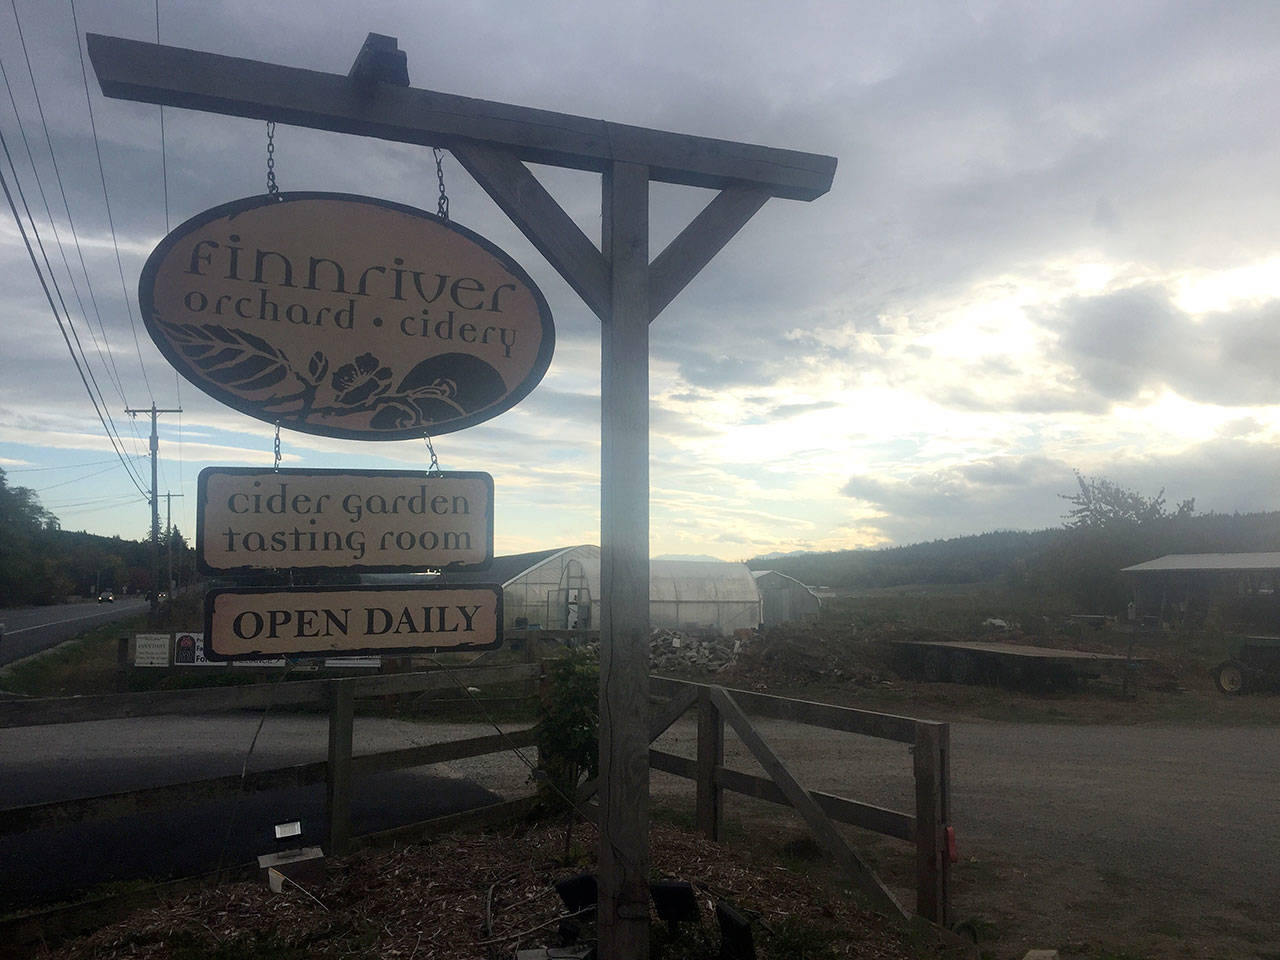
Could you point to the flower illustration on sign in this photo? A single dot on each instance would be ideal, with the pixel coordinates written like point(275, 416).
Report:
point(361, 381)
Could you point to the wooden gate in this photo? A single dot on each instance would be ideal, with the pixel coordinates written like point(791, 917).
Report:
point(927, 828)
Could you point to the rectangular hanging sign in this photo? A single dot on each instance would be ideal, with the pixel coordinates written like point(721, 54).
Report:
point(365, 520)
point(257, 622)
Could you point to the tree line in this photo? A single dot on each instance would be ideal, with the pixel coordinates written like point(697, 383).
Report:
point(41, 563)
point(1106, 528)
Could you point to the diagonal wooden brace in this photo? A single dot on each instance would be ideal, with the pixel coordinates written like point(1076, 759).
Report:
point(823, 829)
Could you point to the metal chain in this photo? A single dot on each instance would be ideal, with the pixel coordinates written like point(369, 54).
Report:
point(272, 187)
point(277, 466)
point(442, 204)
point(434, 468)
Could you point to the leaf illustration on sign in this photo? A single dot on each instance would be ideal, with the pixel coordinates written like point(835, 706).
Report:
point(233, 358)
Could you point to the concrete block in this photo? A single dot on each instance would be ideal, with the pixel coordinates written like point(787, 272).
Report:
point(1041, 955)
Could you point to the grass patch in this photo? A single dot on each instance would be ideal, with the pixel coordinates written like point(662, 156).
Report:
point(86, 665)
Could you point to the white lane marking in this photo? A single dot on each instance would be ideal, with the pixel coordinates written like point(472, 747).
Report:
point(54, 623)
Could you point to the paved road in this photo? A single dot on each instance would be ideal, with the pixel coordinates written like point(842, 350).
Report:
point(29, 630)
point(41, 764)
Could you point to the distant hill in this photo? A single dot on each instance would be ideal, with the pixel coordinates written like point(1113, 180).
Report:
point(971, 559)
point(1081, 565)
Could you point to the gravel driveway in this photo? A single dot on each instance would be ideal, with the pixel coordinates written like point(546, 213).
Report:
point(1160, 840)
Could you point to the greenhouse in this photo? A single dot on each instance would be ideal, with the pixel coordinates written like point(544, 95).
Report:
point(560, 590)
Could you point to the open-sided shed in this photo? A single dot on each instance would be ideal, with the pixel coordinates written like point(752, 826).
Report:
point(1183, 581)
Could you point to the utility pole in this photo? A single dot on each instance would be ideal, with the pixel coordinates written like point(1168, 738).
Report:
point(168, 534)
point(155, 502)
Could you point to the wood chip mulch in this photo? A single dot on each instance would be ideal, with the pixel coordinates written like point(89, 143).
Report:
point(474, 896)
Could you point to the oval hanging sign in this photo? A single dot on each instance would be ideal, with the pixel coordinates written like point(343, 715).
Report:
point(346, 316)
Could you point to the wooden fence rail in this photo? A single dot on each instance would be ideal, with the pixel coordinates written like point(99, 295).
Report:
point(338, 771)
point(930, 745)
point(926, 827)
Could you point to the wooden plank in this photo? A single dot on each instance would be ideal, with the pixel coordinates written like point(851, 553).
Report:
point(708, 801)
point(154, 73)
point(451, 678)
point(931, 854)
point(841, 809)
point(337, 794)
point(662, 716)
point(819, 824)
point(444, 752)
point(699, 242)
point(489, 815)
point(30, 713)
point(38, 712)
point(1022, 650)
point(624, 571)
point(540, 219)
point(109, 806)
point(886, 726)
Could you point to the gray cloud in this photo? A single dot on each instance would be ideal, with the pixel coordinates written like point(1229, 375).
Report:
point(968, 498)
point(1123, 343)
point(1024, 492)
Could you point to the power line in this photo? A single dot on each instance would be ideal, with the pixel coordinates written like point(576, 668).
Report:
point(102, 175)
point(63, 483)
point(108, 423)
point(13, 207)
point(112, 500)
point(22, 130)
point(67, 466)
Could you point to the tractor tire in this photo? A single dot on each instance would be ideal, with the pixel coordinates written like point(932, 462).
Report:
point(1229, 677)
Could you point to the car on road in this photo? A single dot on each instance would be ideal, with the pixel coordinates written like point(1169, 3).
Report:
point(106, 596)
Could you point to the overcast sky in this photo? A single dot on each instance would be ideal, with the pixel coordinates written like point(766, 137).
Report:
point(1051, 244)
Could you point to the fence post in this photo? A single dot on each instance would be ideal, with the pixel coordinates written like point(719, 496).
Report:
point(710, 797)
point(338, 771)
point(933, 865)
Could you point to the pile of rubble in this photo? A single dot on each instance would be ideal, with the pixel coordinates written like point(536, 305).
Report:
point(683, 653)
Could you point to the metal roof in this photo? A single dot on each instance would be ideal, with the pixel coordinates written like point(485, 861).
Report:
point(505, 569)
point(701, 581)
point(1208, 562)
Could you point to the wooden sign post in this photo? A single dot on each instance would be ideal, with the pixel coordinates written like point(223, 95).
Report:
point(617, 281)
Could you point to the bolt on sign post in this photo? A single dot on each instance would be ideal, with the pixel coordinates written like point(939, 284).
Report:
point(617, 280)
point(361, 520)
point(346, 316)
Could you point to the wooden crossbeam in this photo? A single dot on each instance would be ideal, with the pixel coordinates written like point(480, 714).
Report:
point(543, 221)
point(821, 826)
point(699, 242)
point(175, 76)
